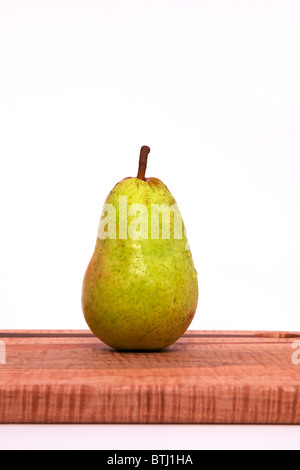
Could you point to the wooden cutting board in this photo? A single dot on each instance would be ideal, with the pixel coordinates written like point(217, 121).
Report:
point(206, 377)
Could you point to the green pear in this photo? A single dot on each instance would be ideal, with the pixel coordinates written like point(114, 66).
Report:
point(140, 289)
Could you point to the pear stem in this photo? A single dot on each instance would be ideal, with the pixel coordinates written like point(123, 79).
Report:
point(143, 162)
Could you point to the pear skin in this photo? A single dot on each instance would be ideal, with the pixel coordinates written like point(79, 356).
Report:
point(140, 290)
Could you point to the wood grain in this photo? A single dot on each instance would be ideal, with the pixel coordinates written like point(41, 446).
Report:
point(70, 376)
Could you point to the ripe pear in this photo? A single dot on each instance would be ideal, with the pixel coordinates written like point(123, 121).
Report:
point(140, 289)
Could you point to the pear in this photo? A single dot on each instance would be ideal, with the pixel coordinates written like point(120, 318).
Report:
point(140, 289)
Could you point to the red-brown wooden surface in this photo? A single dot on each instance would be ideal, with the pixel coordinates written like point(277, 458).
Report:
point(59, 376)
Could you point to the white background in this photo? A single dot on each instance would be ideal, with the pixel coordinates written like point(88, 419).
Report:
point(213, 87)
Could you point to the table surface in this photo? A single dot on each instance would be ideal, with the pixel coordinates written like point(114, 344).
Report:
point(206, 377)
